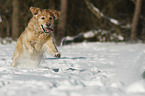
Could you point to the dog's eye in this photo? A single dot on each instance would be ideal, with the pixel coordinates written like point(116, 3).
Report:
point(50, 18)
point(42, 18)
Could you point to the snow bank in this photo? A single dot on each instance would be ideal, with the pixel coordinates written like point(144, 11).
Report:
point(85, 69)
point(137, 87)
point(94, 35)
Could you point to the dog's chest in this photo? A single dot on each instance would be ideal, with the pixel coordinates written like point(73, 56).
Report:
point(37, 40)
point(41, 37)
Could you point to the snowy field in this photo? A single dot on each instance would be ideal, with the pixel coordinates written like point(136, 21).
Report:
point(85, 69)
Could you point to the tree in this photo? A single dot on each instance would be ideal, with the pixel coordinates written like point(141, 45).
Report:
point(52, 4)
point(135, 20)
point(62, 21)
point(15, 19)
point(7, 26)
point(1, 27)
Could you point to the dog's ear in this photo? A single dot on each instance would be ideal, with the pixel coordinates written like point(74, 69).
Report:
point(56, 14)
point(34, 10)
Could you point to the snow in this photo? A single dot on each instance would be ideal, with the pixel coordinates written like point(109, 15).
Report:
point(1, 19)
point(120, 37)
point(137, 87)
point(89, 34)
point(114, 21)
point(69, 38)
point(127, 26)
point(97, 10)
point(85, 69)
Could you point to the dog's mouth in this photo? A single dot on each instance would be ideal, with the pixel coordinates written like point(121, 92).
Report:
point(47, 29)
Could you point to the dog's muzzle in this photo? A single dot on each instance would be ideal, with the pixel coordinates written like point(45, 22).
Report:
point(46, 29)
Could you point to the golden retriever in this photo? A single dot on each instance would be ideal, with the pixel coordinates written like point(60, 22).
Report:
point(36, 39)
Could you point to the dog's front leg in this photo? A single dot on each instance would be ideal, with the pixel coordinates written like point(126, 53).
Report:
point(51, 48)
point(29, 47)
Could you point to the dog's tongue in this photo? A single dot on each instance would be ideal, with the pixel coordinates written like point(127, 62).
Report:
point(48, 29)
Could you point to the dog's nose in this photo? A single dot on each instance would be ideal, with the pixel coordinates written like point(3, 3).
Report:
point(48, 24)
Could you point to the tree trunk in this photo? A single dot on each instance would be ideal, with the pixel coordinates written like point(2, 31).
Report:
point(62, 22)
point(7, 26)
point(1, 27)
point(52, 4)
point(15, 19)
point(135, 20)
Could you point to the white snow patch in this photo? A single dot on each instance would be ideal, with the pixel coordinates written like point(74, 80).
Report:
point(89, 34)
point(97, 10)
point(120, 37)
point(127, 26)
point(114, 21)
point(85, 69)
point(69, 38)
point(137, 87)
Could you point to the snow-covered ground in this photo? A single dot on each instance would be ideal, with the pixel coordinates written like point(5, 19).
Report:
point(85, 69)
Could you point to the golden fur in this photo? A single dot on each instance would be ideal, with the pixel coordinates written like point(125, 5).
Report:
point(36, 38)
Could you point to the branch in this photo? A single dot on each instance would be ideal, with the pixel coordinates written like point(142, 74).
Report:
point(94, 10)
point(99, 14)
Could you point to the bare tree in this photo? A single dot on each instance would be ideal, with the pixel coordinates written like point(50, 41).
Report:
point(62, 21)
point(135, 20)
point(15, 19)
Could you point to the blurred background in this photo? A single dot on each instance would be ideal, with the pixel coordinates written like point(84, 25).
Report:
point(90, 20)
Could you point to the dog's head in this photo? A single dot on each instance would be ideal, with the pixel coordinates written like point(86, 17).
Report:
point(45, 18)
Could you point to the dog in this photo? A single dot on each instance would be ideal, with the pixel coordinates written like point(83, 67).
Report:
point(36, 39)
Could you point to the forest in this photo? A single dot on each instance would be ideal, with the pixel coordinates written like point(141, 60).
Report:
point(115, 20)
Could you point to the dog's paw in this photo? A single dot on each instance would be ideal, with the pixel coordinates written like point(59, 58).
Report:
point(58, 55)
